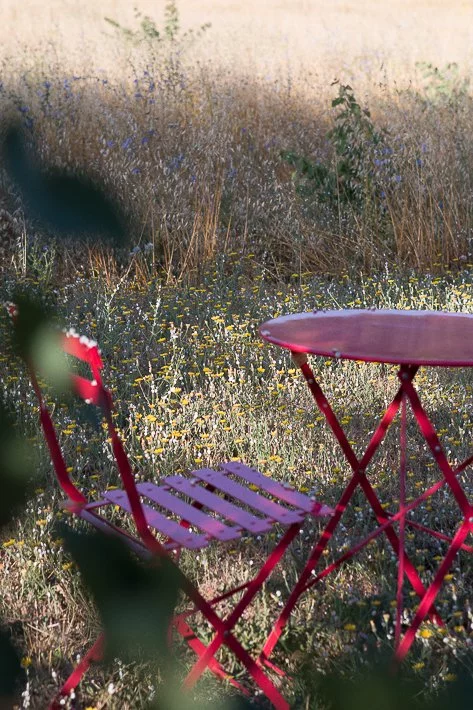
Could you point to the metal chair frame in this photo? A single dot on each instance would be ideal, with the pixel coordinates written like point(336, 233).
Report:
point(240, 500)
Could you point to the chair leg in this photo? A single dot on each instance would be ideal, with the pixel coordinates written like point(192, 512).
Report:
point(254, 670)
point(224, 635)
point(93, 655)
point(96, 651)
point(199, 648)
point(259, 676)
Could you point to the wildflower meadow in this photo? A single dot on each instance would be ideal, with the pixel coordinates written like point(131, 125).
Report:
point(250, 181)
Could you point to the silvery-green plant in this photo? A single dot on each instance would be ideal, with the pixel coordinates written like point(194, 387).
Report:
point(445, 85)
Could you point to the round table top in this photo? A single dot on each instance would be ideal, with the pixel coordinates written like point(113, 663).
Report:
point(377, 335)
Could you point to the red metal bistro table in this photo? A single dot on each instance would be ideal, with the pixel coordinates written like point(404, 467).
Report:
point(409, 339)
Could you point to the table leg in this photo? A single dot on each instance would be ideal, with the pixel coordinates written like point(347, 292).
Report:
point(450, 477)
point(430, 435)
point(402, 522)
point(358, 467)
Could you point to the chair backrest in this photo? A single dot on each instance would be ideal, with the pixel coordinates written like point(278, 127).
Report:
point(92, 391)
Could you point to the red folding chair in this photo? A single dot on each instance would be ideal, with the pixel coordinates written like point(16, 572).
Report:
point(220, 504)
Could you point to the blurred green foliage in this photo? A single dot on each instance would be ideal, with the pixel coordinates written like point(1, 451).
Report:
point(16, 466)
point(135, 601)
point(16, 479)
point(382, 687)
point(67, 205)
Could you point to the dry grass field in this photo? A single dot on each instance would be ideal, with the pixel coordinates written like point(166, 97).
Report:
point(322, 35)
point(248, 194)
point(215, 112)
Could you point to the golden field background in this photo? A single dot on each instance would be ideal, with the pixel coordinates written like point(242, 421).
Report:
point(323, 35)
point(190, 135)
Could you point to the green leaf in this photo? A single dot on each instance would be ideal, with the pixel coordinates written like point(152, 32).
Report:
point(11, 672)
point(135, 601)
point(16, 467)
point(68, 205)
point(33, 317)
point(376, 688)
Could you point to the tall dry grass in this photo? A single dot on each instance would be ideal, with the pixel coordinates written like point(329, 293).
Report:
point(190, 142)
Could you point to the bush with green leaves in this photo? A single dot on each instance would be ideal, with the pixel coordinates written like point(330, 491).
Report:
point(350, 176)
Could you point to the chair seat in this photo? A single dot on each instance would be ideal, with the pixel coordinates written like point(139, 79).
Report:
point(223, 504)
